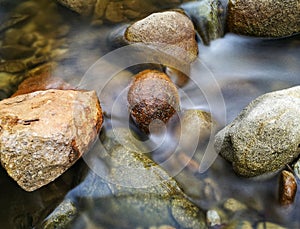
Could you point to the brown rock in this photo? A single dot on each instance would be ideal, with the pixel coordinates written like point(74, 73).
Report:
point(43, 133)
point(287, 188)
point(171, 31)
point(272, 18)
point(43, 81)
point(152, 95)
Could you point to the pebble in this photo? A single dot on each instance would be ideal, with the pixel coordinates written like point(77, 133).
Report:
point(234, 205)
point(10, 52)
point(265, 136)
point(287, 188)
point(213, 218)
point(152, 96)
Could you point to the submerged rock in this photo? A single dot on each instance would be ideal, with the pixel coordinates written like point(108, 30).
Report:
point(131, 191)
point(152, 96)
point(208, 17)
point(265, 136)
point(273, 18)
point(43, 133)
point(287, 188)
point(171, 31)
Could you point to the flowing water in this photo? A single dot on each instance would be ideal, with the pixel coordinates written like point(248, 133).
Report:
point(238, 68)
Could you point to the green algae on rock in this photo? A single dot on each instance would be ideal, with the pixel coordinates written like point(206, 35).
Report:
point(265, 136)
point(264, 18)
point(132, 191)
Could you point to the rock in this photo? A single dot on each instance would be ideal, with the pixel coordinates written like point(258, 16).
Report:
point(12, 66)
point(297, 169)
point(195, 128)
point(28, 39)
point(273, 18)
point(208, 17)
point(171, 31)
point(41, 82)
point(287, 188)
point(8, 84)
point(83, 7)
point(213, 218)
point(240, 224)
point(269, 225)
point(152, 96)
point(234, 205)
point(43, 133)
point(131, 190)
point(265, 136)
point(9, 52)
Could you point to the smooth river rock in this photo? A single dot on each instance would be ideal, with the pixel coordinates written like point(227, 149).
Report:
point(43, 133)
point(265, 136)
point(129, 190)
point(171, 31)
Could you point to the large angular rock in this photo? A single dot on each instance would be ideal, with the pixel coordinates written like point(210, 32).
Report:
point(43, 133)
point(265, 136)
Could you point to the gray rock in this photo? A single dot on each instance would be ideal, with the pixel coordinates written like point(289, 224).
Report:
point(129, 189)
point(265, 136)
point(43, 133)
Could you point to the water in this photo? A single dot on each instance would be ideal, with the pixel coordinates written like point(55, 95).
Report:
point(241, 68)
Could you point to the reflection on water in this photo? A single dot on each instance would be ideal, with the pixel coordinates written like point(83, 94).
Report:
point(243, 67)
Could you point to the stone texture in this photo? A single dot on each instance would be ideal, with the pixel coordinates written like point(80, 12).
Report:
point(171, 31)
point(264, 18)
point(43, 133)
point(83, 7)
point(128, 189)
point(265, 136)
point(152, 96)
point(287, 188)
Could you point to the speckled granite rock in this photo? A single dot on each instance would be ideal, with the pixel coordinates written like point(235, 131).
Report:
point(43, 133)
point(272, 18)
point(171, 31)
point(265, 136)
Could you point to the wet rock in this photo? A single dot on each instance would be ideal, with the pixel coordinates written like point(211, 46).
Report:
point(195, 128)
point(171, 31)
point(297, 169)
point(262, 18)
point(130, 189)
point(12, 66)
point(41, 82)
point(152, 96)
point(45, 132)
point(268, 225)
point(234, 205)
point(28, 39)
point(61, 215)
point(240, 225)
point(287, 188)
point(213, 218)
point(265, 135)
point(83, 7)
point(12, 21)
point(208, 17)
point(10, 52)
point(8, 84)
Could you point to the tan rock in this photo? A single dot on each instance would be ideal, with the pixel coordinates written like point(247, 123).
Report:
point(83, 7)
point(43, 133)
point(171, 31)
